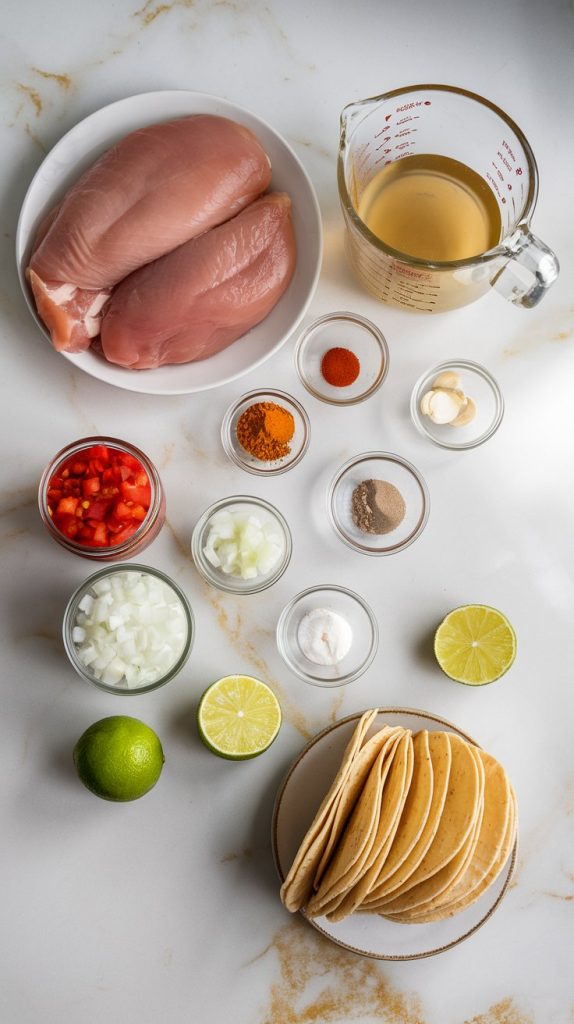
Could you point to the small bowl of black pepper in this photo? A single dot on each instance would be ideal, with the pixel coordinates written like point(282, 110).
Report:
point(266, 432)
point(378, 503)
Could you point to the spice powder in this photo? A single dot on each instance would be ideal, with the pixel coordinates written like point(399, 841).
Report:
point(265, 430)
point(340, 367)
point(378, 507)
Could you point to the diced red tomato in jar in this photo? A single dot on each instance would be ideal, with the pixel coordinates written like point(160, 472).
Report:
point(99, 497)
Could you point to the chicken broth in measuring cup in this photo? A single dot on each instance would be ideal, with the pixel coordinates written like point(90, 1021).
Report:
point(432, 207)
point(437, 188)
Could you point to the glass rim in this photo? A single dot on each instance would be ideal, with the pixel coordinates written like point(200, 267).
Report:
point(116, 549)
point(500, 249)
point(76, 597)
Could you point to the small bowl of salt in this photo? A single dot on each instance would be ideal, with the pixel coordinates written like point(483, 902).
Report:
point(327, 635)
point(128, 630)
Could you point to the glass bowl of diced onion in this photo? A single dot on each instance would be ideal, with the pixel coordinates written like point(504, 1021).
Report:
point(128, 629)
point(241, 545)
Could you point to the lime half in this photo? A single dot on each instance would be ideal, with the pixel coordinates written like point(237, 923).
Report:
point(475, 644)
point(119, 758)
point(238, 717)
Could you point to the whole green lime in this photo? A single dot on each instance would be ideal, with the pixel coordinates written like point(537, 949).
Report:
point(119, 758)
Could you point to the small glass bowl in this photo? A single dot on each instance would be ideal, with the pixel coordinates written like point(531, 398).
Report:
point(478, 384)
point(225, 581)
point(72, 610)
point(148, 529)
point(396, 471)
point(361, 620)
point(241, 457)
point(342, 330)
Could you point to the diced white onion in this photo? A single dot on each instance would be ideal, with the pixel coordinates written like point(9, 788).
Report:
point(244, 544)
point(130, 630)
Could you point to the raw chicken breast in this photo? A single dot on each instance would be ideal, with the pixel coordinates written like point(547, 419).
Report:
point(201, 297)
point(157, 188)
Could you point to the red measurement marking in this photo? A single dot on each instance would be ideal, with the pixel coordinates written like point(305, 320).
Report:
point(411, 106)
point(388, 117)
point(380, 132)
point(387, 150)
point(509, 187)
point(518, 170)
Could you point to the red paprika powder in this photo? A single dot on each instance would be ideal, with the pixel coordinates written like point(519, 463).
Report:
point(340, 367)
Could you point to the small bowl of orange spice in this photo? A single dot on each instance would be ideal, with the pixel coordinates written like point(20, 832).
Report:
point(266, 432)
point(342, 358)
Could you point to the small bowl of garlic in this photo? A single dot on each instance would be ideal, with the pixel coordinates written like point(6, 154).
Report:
point(457, 405)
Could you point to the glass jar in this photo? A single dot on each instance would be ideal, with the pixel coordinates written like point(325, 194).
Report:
point(129, 540)
point(100, 584)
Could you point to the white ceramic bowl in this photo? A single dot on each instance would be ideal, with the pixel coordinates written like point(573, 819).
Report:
point(86, 141)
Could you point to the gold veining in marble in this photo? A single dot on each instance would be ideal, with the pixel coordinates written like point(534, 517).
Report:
point(17, 499)
point(184, 549)
point(152, 10)
point(79, 405)
point(33, 96)
point(12, 535)
point(566, 897)
point(351, 987)
point(308, 144)
point(167, 453)
point(64, 81)
point(236, 856)
point(503, 1012)
point(230, 621)
point(35, 138)
point(320, 983)
point(557, 327)
point(336, 707)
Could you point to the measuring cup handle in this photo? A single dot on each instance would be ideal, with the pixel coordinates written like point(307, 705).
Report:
point(528, 269)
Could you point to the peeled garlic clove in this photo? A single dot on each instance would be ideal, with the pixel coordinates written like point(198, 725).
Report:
point(447, 379)
point(466, 414)
point(425, 403)
point(445, 406)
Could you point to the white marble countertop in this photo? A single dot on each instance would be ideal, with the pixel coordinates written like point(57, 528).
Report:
point(167, 909)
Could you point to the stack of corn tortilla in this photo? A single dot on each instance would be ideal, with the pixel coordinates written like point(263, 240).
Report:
point(414, 828)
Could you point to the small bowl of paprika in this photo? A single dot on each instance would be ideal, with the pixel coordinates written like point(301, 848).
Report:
point(342, 358)
point(266, 432)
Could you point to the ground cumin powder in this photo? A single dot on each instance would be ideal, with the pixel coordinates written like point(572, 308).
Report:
point(377, 506)
point(264, 430)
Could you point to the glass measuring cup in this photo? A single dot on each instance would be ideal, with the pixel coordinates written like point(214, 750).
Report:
point(454, 123)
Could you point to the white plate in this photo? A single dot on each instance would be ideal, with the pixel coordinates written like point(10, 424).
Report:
point(81, 146)
point(297, 801)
